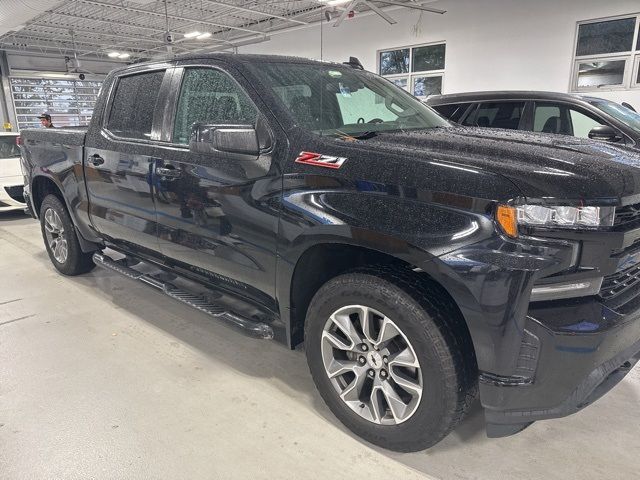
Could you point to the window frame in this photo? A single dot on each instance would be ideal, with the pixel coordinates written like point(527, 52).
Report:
point(167, 69)
point(635, 75)
point(410, 75)
point(630, 57)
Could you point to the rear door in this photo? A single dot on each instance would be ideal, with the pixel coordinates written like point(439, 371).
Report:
point(218, 212)
point(119, 161)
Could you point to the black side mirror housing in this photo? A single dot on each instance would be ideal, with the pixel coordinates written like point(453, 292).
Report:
point(237, 140)
point(605, 133)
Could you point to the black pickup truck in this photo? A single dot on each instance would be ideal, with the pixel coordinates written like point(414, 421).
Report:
point(418, 261)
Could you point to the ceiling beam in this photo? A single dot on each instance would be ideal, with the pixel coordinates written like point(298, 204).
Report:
point(257, 12)
point(110, 22)
point(89, 32)
point(415, 6)
point(174, 17)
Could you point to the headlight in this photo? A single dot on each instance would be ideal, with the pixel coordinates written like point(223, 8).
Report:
point(510, 217)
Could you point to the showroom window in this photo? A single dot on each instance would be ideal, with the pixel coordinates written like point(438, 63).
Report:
point(70, 102)
point(133, 104)
point(607, 54)
point(419, 69)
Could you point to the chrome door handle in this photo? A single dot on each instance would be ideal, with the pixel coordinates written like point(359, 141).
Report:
point(168, 172)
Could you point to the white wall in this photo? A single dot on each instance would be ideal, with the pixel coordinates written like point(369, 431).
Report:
point(491, 44)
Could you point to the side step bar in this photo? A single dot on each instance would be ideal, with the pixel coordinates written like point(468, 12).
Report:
point(256, 329)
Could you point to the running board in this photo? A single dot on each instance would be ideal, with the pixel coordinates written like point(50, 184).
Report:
point(254, 328)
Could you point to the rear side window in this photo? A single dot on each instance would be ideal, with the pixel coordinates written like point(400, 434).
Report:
point(211, 97)
point(134, 102)
point(453, 111)
point(497, 115)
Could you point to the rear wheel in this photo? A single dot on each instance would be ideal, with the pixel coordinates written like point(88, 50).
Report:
point(61, 240)
point(386, 361)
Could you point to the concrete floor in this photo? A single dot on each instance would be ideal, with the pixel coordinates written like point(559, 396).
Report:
point(102, 378)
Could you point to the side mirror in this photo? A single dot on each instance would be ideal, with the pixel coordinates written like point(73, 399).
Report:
point(235, 139)
point(605, 133)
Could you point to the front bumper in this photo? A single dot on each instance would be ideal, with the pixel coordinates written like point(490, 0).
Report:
point(572, 353)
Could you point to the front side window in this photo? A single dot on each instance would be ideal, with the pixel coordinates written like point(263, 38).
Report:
point(605, 54)
point(564, 120)
point(621, 113)
point(497, 115)
point(133, 105)
point(341, 101)
point(211, 97)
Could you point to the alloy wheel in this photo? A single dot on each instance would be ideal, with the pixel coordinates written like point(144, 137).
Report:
point(372, 365)
point(55, 233)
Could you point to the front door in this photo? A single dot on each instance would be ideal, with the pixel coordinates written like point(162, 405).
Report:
point(119, 164)
point(217, 212)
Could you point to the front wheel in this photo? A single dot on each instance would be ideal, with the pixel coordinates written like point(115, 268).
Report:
point(61, 240)
point(386, 362)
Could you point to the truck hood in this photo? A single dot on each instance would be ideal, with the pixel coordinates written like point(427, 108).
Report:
point(540, 165)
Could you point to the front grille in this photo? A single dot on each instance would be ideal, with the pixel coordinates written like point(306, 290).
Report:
point(16, 192)
point(622, 286)
point(627, 216)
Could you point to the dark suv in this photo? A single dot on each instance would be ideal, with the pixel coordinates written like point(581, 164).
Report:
point(546, 112)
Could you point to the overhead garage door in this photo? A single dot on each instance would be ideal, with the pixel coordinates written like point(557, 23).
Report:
point(70, 102)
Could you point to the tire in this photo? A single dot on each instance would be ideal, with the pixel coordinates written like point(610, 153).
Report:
point(61, 240)
point(430, 329)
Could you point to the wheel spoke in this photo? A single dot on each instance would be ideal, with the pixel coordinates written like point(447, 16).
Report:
point(365, 321)
point(397, 406)
point(352, 392)
point(388, 331)
point(340, 367)
point(376, 408)
point(343, 322)
point(404, 358)
point(410, 385)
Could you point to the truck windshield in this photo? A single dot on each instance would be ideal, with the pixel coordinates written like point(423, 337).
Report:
point(341, 101)
point(8, 147)
point(621, 113)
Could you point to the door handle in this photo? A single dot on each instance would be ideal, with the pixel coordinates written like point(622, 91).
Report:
point(96, 159)
point(169, 172)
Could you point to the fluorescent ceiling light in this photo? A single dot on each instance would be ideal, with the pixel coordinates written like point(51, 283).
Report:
point(114, 54)
point(124, 55)
point(333, 3)
point(203, 36)
point(192, 34)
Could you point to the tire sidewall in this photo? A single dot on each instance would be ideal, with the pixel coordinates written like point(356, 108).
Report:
point(427, 424)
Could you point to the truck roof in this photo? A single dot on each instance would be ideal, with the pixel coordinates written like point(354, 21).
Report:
point(507, 95)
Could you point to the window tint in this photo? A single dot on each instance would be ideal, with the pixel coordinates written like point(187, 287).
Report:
point(133, 104)
point(452, 111)
point(8, 147)
point(395, 61)
point(561, 119)
point(582, 123)
point(601, 73)
point(430, 57)
point(211, 97)
point(606, 37)
point(497, 115)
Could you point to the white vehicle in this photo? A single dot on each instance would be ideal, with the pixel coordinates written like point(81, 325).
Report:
point(11, 180)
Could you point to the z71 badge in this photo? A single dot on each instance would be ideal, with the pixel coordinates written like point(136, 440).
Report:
point(319, 160)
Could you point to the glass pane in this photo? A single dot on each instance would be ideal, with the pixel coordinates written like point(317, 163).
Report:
point(133, 105)
point(606, 37)
point(550, 118)
point(582, 124)
point(395, 61)
point(499, 115)
point(598, 74)
point(8, 147)
point(428, 58)
point(426, 86)
point(211, 97)
point(402, 83)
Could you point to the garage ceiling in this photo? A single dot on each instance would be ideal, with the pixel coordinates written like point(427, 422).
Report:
point(139, 27)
